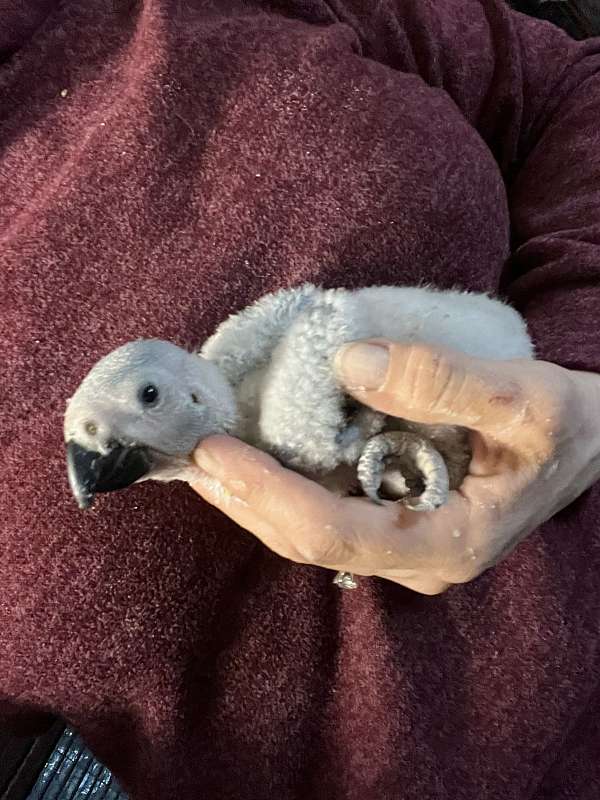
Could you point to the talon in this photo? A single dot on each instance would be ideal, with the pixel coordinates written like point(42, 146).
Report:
point(423, 454)
point(415, 504)
point(375, 498)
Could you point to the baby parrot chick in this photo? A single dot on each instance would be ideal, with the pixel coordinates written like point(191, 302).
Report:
point(266, 376)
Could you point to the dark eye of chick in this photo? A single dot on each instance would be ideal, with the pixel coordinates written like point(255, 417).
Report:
point(149, 394)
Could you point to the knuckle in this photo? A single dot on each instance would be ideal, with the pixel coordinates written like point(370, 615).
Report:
point(551, 422)
point(547, 412)
point(541, 433)
point(312, 547)
point(464, 566)
point(319, 539)
point(509, 402)
point(434, 587)
point(434, 382)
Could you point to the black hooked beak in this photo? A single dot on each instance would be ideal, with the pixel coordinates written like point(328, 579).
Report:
point(91, 472)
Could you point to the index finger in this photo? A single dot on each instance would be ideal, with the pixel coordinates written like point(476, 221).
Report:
point(303, 521)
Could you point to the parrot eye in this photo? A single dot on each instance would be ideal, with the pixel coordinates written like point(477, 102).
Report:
point(149, 394)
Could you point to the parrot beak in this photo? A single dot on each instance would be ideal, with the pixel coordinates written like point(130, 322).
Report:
point(91, 472)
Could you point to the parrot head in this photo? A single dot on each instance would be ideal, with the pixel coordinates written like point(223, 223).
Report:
point(139, 413)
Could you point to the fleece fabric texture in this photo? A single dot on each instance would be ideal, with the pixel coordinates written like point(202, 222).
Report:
point(164, 163)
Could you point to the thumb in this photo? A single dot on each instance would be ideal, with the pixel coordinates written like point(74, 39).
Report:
point(431, 385)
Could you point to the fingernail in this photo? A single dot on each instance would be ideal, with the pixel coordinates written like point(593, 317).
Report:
point(362, 366)
point(207, 461)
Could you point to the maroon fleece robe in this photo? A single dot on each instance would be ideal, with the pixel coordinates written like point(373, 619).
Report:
point(162, 164)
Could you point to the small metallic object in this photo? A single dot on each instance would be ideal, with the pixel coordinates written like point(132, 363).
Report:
point(345, 580)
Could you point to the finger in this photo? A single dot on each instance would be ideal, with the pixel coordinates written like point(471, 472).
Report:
point(292, 515)
point(301, 520)
point(239, 512)
point(432, 385)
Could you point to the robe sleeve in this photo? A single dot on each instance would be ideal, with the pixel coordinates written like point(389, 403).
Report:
point(533, 94)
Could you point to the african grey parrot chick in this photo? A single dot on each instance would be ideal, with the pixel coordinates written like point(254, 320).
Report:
point(266, 376)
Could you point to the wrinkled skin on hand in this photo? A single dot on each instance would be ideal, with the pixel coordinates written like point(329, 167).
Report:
point(535, 437)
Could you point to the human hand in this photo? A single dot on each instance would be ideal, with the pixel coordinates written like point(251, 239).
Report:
point(535, 436)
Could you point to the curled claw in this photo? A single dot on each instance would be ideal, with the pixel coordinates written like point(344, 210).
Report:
point(414, 450)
